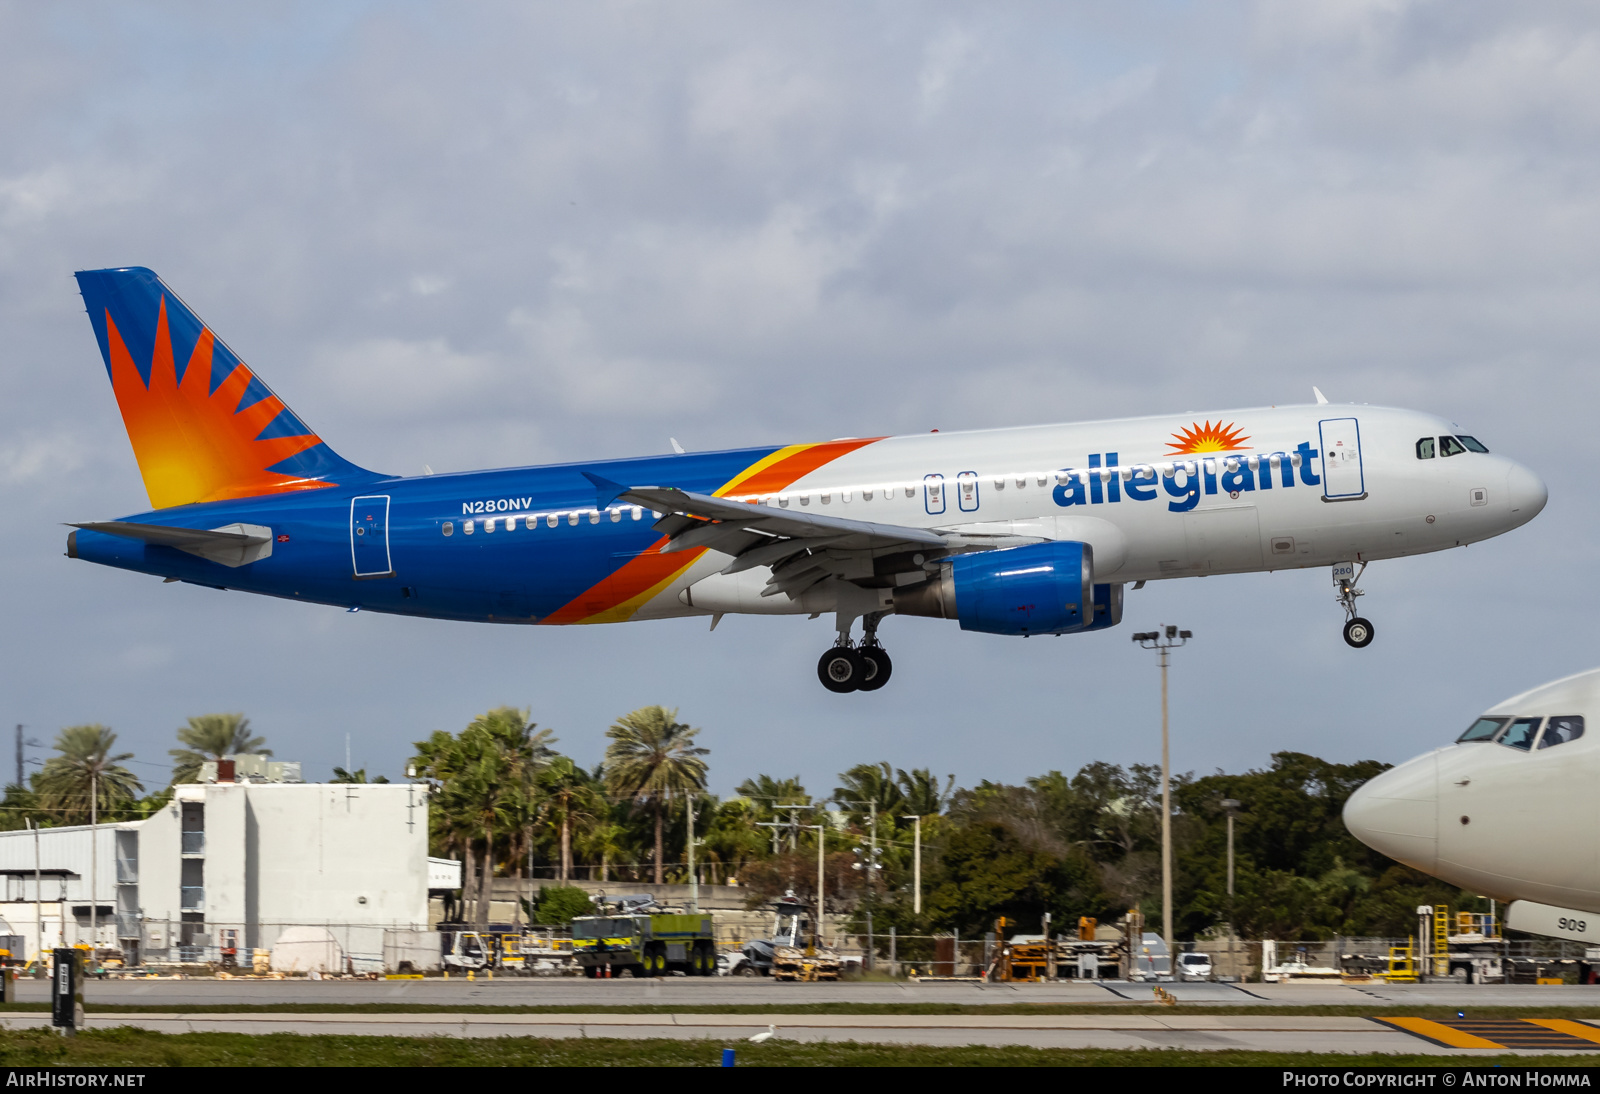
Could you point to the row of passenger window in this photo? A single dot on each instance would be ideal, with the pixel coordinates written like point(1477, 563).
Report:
point(1525, 733)
point(551, 520)
point(934, 484)
point(1448, 446)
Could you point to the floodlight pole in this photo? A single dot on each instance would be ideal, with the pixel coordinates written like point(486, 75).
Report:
point(1231, 807)
point(94, 862)
point(1164, 641)
point(694, 878)
point(822, 843)
point(916, 865)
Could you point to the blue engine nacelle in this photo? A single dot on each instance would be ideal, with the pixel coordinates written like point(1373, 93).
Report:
point(1044, 588)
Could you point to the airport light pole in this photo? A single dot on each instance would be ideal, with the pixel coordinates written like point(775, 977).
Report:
point(822, 843)
point(1164, 641)
point(1230, 806)
point(916, 864)
point(694, 878)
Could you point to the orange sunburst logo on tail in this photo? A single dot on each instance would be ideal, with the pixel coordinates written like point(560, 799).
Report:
point(1207, 438)
point(194, 444)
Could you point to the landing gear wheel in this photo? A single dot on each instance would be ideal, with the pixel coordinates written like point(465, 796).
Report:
point(841, 669)
point(1358, 632)
point(879, 667)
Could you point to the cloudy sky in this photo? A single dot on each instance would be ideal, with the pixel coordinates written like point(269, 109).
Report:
point(476, 235)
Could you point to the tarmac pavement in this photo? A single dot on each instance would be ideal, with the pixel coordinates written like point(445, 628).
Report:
point(694, 991)
point(1276, 1033)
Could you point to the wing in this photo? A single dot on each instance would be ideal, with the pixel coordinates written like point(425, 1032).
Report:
point(800, 548)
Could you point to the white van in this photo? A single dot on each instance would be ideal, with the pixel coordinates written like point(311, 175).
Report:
point(1194, 966)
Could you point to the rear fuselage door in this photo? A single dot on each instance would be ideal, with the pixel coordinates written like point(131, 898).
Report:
point(369, 536)
point(1342, 476)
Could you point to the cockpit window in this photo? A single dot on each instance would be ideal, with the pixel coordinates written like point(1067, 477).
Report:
point(1472, 443)
point(1449, 446)
point(1482, 730)
point(1425, 448)
point(1561, 729)
point(1520, 733)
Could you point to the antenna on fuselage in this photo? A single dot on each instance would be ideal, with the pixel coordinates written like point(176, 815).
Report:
point(1322, 400)
point(676, 447)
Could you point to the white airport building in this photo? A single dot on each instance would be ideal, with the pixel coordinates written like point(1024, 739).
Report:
point(226, 868)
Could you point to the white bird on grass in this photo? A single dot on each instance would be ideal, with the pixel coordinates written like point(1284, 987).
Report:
point(760, 1037)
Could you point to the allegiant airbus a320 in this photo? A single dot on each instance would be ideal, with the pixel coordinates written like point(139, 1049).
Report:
point(1024, 531)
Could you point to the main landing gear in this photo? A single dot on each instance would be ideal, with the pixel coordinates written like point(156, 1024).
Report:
point(849, 667)
point(1357, 631)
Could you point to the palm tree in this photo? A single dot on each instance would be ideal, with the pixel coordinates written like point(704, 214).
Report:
point(85, 779)
point(503, 752)
point(866, 783)
point(766, 792)
point(922, 796)
point(211, 737)
point(572, 798)
point(652, 756)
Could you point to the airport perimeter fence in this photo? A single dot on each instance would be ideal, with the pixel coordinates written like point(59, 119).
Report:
point(361, 949)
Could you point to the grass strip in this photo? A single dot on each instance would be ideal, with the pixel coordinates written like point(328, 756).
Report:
point(103, 1009)
point(138, 1048)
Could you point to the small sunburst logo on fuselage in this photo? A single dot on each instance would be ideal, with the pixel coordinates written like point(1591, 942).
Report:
point(1208, 438)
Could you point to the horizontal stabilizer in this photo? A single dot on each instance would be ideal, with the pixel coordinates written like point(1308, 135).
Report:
point(230, 545)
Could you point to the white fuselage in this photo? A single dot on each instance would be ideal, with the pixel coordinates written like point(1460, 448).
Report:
point(1511, 815)
point(1280, 488)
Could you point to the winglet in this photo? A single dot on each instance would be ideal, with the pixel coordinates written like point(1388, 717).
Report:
point(608, 491)
point(1322, 400)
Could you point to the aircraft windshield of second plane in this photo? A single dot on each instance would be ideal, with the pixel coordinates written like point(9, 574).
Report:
point(1523, 733)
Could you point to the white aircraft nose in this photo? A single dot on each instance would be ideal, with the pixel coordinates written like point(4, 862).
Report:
point(1526, 492)
point(1396, 814)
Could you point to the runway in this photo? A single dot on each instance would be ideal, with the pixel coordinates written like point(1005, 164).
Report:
point(737, 991)
point(1115, 1025)
point(1275, 1033)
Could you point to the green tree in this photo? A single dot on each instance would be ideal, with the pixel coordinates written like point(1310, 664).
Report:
point(211, 737)
point(559, 904)
point(764, 792)
point(920, 792)
point(86, 781)
point(482, 783)
point(652, 756)
point(868, 783)
point(572, 800)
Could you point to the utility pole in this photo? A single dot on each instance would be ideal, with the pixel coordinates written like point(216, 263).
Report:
point(870, 868)
point(822, 843)
point(38, 897)
point(1164, 641)
point(694, 879)
point(94, 862)
point(19, 756)
point(1231, 807)
point(916, 865)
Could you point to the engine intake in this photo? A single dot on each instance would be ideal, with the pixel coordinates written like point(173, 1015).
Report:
point(1044, 588)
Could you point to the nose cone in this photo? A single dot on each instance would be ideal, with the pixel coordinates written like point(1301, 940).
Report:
point(1526, 492)
point(1396, 814)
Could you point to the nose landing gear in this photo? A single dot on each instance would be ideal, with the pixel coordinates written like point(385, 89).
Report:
point(1358, 632)
point(849, 667)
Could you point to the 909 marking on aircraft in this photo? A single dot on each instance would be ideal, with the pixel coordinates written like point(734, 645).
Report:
point(1020, 531)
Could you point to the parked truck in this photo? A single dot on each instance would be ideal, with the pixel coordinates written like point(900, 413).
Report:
point(787, 954)
point(638, 937)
